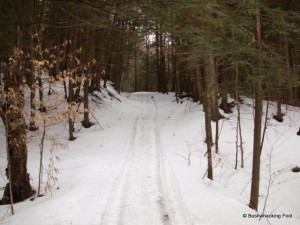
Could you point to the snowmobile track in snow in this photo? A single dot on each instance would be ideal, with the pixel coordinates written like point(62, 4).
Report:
point(145, 192)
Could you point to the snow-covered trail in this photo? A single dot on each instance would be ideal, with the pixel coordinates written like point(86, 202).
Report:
point(145, 190)
point(145, 163)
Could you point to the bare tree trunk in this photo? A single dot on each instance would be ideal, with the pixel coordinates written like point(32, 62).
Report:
point(41, 157)
point(162, 63)
point(135, 70)
point(64, 69)
point(177, 85)
point(13, 118)
point(39, 41)
point(239, 138)
point(158, 70)
point(5, 121)
point(94, 77)
point(224, 103)
point(217, 136)
point(291, 99)
point(70, 102)
point(224, 90)
point(90, 78)
point(279, 115)
point(207, 112)
point(199, 83)
point(41, 90)
point(86, 120)
point(65, 84)
point(78, 84)
point(31, 74)
point(257, 144)
point(210, 66)
point(147, 62)
point(97, 74)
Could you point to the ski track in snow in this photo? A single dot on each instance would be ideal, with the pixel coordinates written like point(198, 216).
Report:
point(145, 191)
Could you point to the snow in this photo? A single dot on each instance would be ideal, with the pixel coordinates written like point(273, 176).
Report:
point(143, 163)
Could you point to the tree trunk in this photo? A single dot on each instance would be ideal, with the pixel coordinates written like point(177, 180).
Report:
point(212, 87)
point(279, 115)
point(97, 74)
point(86, 121)
point(207, 112)
point(89, 76)
point(78, 84)
point(291, 99)
point(135, 70)
point(158, 70)
point(162, 64)
point(256, 148)
point(257, 144)
point(65, 84)
point(147, 62)
point(239, 138)
point(70, 102)
point(13, 118)
point(217, 136)
point(31, 83)
point(41, 90)
point(40, 56)
point(224, 90)
point(90, 61)
point(177, 85)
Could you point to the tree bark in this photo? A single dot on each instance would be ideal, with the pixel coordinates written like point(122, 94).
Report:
point(78, 84)
point(207, 104)
point(70, 102)
point(39, 42)
point(31, 83)
point(13, 118)
point(162, 63)
point(257, 143)
point(147, 61)
point(224, 90)
point(135, 70)
point(86, 120)
point(199, 80)
point(158, 70)
point(239, 138)
point(212, 85)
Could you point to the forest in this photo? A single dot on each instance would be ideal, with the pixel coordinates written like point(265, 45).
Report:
point(212, 52)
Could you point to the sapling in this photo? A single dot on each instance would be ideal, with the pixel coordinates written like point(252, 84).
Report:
point(239, 138)
point(41, 157)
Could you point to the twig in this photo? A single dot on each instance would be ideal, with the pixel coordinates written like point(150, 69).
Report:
point(96, 120)
point(112, 95)
point(269, 183)
point(205, 174)
point(265, 127)
point(186, 158)
point(41, 157)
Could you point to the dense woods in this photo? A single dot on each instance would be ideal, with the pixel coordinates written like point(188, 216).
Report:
point(205, 50)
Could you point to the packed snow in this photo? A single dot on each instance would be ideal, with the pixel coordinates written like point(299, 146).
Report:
point(144, 163)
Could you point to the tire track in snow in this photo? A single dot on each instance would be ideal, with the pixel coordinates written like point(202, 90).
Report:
point(172, 202)
point(141, 195)
point(110, 196)
point(145, 192)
